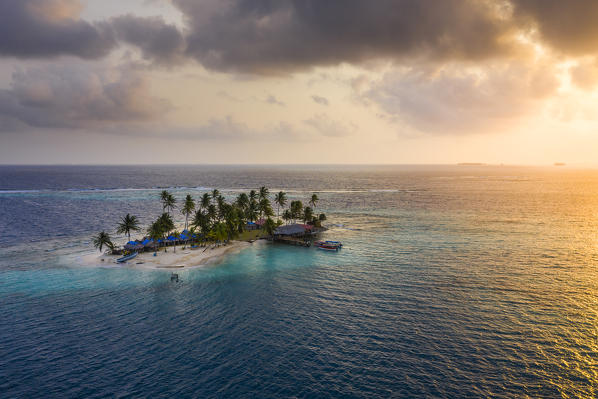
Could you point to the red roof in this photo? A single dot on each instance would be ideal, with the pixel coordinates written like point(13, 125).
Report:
point(307, 226)
point(260, 222)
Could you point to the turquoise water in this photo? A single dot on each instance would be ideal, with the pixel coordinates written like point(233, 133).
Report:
point(453, 282)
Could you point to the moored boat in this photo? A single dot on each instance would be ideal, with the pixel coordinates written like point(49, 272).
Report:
point(126, 257)
point(328, 245)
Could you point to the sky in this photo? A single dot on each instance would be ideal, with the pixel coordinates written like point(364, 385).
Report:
point(298, 81)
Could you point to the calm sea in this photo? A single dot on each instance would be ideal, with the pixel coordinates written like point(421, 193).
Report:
point(453, 282)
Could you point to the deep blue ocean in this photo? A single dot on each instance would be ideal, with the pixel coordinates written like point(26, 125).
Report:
point(454, 281)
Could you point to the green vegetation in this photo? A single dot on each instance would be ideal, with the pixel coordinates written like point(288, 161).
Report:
point(102, 240)
point(280, 199)
point(213, 219)
point(188, 209)
point(168, 201)
point(127, 225)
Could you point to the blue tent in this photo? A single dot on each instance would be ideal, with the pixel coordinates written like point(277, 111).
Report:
point(146, 241)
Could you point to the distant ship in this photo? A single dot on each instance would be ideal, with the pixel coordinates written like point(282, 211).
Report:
point(471, 164)
point(559, 164)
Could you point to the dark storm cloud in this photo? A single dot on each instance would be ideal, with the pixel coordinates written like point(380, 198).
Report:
point(273, 36)
point(158, 41)
point(568, 25)
point(281, 36)
point(47, 28)
point(75, 97)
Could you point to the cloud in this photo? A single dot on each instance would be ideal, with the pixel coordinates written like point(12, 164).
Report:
point(323, 125)
point(585, 74)
point(48, 28)
point(456, 100)
point(274, 101)
point(279, 36)
point(76, 97)
point(320, 100)
point(158, 41)
point(569, 26)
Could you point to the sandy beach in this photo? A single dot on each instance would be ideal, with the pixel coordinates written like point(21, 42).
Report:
point(181, 259)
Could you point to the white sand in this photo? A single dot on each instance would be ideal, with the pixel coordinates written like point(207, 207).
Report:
point(182, 258)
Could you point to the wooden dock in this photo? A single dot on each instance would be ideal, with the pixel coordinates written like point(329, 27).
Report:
point(293, 241)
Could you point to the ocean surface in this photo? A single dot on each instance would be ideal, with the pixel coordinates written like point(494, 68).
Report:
point(455, 281)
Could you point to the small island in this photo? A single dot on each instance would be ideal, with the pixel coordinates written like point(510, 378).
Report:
point(211, 228)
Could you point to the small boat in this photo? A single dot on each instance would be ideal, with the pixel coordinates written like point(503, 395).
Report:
point(328, 248)
point(126, 257)
point(174, 277)
point(328, 245)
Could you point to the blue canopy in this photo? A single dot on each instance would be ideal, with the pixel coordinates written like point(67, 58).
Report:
point(183, 237)
point(146, 241)
point(171, 238)
point(132, 243)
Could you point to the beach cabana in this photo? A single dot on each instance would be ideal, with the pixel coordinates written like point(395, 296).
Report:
point(292, 230)
point(130, 246)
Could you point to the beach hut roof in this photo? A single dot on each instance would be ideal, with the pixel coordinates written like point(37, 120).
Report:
point(291, 229)
point(260, 222)
point(131, 245)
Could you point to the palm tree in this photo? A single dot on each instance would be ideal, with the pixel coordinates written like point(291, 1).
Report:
point(221, 203)
point(252, 195)
point(219, 232)
point(155, 232)
point(314, 200)
point(166, 224)
point(215, 194)
point(242, 201)
point(205, 201)
point(308, 214)
point(264, 207)
point(101, 240)
point(281, 200)
point(176, 236)
point(202, 221)
point(127, 224)
point(296, 209)
point(322, 217)
point(188, 209)
point(264, 193)
point(269, 226)
point(212, 212)
point(164, 199)
point(287, 216)
point(166, 221)
point(170, 202)
point(251, 213)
